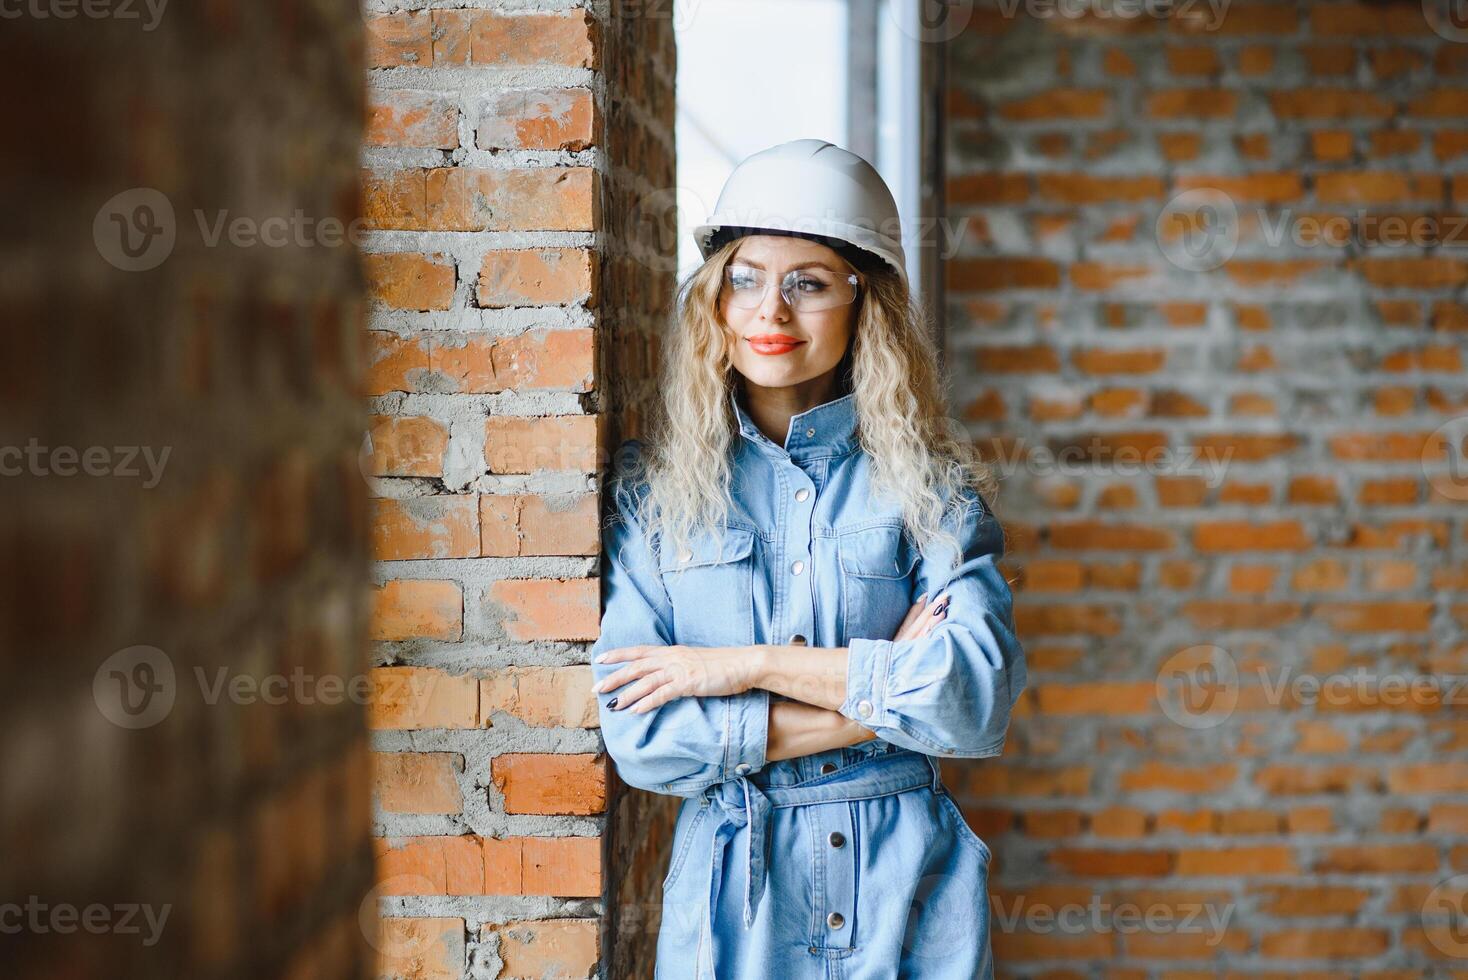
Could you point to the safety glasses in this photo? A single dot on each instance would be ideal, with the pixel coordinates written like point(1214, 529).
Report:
point(804, 290)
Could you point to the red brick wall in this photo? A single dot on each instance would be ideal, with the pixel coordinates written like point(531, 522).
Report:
point(507, 151)
point(185, 773)
point(1327, 549)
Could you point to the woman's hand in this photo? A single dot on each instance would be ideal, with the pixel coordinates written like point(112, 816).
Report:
point(922, 618)
point(667, 672)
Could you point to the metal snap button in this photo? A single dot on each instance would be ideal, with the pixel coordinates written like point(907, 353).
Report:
point(796, 639)
point(802, 493)
point(827, 768)
point(837, 838)
point(742, 768)
point(810, 432)
point(835, 920)
point(864, 708)
point(798, 567)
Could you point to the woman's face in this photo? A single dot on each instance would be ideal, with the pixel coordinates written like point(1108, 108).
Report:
point(813, 342)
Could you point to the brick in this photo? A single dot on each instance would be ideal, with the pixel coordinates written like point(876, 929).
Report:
point(429, 865)
point(415, 698)
point(548, 783)
point(396, 363)
point(425, 527)
point(1179, 779)
point(538, 119)
point(407, 609)
point(465, 199)
point(537, 277)
point(1098, 698)
point(407, 280)
point(1089, 189)
point(399, 39)
point(425, 949)
point(547, 697)
point(567, 444)
point(1288, 780)
point(417, 782)
point(1377, 617)
point(546, 609)
point(1378, 859)
point(1106, 361)
point(524, 524)
point(401, 117)
point(1376, 188)
point(1094, 863)
point(1430, 777)
point(565, 39)
point(1016, 359)
point(1192, 103)
point(562, 360)
point(1236, 861)
point(1270, 188)
point(988, 189)
point(547, 948)
point(1002, 273)
point(1245, 536)
point(1329, 103)
point(1317, 944)
point(406, 447)
point(452, 36)
point(569, 867)
point(1060, 103)
point(1314, 900)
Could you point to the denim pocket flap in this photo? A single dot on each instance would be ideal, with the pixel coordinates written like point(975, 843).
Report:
point(883, 551)
point(708, 547)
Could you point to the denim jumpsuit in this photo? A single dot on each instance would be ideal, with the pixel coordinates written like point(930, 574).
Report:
point(851, 863)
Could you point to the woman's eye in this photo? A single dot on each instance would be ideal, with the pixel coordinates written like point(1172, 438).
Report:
point(808, 285)
point(742, 281)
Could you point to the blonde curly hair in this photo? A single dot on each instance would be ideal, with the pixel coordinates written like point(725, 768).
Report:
point(920, 457)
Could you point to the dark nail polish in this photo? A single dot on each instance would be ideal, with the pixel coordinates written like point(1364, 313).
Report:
point(612, 704)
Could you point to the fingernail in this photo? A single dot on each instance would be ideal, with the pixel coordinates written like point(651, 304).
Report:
point(923, 597)
point(612, 704)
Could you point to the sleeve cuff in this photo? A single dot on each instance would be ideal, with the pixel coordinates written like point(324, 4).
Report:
point(866, 676)
point(747, 726)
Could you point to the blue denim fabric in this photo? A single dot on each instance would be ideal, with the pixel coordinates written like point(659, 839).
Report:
point(851, 863)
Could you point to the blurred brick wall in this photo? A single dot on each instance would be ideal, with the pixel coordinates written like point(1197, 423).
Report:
point(185, 782)
point(513, 169)
point(1324, 827)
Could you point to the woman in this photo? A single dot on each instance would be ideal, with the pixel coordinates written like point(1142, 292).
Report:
point(761, 653)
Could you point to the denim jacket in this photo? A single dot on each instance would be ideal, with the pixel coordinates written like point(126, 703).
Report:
point(807, 557)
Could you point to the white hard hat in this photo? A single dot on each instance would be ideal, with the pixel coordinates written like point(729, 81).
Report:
point(814, 189)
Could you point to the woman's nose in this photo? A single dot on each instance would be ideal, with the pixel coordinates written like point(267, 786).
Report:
point(773, 304)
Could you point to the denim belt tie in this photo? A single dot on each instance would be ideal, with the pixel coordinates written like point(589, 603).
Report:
point(742, 803)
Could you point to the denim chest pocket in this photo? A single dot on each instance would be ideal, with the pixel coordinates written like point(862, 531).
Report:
point(711, 586)
point(877, 563)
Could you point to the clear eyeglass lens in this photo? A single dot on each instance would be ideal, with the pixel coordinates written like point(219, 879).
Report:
point(805, 290)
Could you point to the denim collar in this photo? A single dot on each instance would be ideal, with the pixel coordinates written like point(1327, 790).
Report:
point(828, 429)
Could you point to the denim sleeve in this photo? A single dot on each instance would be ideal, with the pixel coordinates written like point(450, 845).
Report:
point(690, 743)
point(950, 692)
